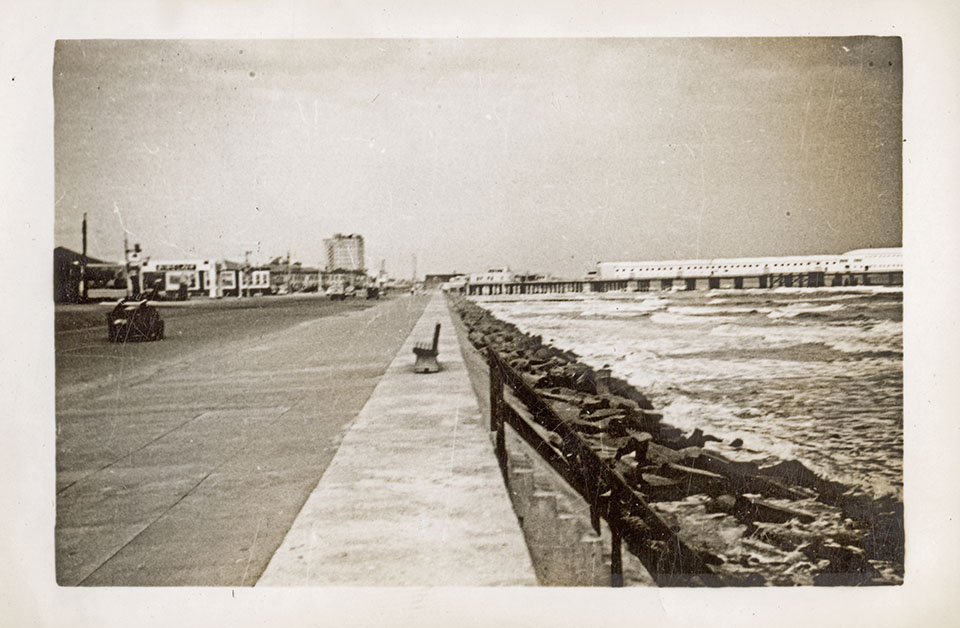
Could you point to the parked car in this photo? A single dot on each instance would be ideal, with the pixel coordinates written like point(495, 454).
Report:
point(134, 320)
point(340, 291)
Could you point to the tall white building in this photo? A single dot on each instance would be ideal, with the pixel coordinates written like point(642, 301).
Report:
point(344, 252)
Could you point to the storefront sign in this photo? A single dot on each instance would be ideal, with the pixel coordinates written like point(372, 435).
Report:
point(161, 267)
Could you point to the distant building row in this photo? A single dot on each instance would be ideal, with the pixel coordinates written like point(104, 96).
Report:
point(183, 278)
point(883, 267)
point(888, 260)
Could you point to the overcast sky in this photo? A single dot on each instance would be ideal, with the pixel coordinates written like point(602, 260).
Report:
point(542, 155)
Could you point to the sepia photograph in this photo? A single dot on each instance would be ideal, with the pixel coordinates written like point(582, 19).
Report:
point(560, 312)
point(503, 315)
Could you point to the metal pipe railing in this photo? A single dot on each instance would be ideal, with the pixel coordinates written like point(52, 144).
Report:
point(610, 497)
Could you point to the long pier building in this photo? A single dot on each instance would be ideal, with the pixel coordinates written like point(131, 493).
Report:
point(853, 268)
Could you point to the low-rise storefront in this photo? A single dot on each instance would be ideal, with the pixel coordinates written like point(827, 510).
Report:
point(244, 282)
point(181, 278)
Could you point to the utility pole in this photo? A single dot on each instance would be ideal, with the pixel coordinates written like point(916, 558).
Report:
point(134, 261)
point(245, 275)
point(126, 265)
point(83, 263)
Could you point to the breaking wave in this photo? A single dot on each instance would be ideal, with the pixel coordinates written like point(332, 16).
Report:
point(815, 375)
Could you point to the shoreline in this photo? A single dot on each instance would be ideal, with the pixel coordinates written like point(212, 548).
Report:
point(783, 524)
point(623, 295)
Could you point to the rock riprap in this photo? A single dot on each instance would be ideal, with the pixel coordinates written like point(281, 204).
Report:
point(778, 524)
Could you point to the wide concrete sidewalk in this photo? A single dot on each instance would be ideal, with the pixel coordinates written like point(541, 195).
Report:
point(414, 495)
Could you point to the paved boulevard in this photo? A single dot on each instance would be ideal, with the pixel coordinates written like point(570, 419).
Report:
point(184, 462)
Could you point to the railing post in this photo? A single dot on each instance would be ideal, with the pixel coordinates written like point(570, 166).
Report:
point(496, 390)
point(616, 542)
point(496, 413)
point(616, 560)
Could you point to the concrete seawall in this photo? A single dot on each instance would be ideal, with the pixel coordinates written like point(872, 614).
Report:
point(555, 519)
point(414, 495)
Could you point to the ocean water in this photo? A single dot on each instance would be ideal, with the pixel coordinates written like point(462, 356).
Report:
point(811, 375)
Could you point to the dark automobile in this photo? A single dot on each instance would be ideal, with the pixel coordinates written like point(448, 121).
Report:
point(134, 320)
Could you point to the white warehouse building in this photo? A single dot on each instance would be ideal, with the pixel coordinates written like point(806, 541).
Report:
point(888, 260)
